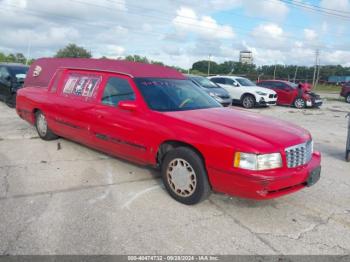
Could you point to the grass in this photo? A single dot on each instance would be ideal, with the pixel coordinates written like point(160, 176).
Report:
point(327, 88)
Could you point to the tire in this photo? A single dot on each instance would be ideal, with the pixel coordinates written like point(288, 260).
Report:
point(347, 98)
point(42, 128)
point(248, 101)
point(184, 176)
point(299, 103)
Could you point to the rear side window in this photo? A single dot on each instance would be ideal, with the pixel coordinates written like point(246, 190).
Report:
point(81, 85)
point(55, 81)
point(116, 90)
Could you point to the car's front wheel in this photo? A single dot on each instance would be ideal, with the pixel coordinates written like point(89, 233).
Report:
point(299, 103)
point(347, 99)
point(248, 101)
point(184, 176)
point(42, 127)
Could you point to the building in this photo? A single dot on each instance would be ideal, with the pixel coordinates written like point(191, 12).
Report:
point(338, 79)
point(246, 57)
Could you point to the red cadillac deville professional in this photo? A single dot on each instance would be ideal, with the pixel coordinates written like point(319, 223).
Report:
point(153, 115)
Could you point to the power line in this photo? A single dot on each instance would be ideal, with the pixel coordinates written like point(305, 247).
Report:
point(154, 33)
point(313, 9)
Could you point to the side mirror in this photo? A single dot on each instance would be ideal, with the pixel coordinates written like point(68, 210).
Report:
point(127, 105)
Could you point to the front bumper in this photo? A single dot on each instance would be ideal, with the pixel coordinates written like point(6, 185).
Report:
point(224, 101)
point(264, 184)
point(266, 100)
point(314, 103)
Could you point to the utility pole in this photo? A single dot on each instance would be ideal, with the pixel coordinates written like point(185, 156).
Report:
point(295, 73)
point(274, 72)
point(28, 52)
point(317, 53)
point(209, 64)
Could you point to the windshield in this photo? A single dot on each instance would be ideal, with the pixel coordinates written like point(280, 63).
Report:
point(173, 94)
point(204, 82)
point(19, 72)
point(293, 85)
point(245, 82)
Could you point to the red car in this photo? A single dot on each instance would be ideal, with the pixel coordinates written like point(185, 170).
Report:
point(345, 92)
point(153, 115)
point(288, 93)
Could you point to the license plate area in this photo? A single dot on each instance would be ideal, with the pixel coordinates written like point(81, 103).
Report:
point(314, 176)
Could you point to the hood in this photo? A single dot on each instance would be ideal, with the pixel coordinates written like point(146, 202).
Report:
point(258, 133)
point(217, 91)
point(259, 88)
point(306, 87)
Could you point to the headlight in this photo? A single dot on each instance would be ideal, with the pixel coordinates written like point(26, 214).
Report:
point(257, 162)
point(261, 93)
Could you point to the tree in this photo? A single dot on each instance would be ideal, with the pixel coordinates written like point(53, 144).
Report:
point(74, 51)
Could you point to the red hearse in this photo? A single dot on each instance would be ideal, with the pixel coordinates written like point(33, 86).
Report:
point(153, 115)
point(291, 94)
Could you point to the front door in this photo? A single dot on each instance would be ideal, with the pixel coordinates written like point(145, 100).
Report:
point(5, 82)
point(284, 92)
point(119, 131)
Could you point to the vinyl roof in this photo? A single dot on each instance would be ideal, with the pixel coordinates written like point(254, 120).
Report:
point(48, 67)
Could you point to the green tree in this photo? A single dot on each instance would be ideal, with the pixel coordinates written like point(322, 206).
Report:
point(74, 51)
point(202, 66)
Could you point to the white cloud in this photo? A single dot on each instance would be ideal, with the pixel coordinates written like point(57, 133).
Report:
point(310, 35)
point(274, 10)
point(205, 26)
point(269, 35)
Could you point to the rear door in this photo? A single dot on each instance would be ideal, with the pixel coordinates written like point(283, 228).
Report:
point(74, 104)
point(120, 131)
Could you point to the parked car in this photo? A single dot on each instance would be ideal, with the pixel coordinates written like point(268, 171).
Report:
point(11, 79)
point(245, 92)
point(345, 92)
point(155, 116)
point(291, 94)
point(214, 90)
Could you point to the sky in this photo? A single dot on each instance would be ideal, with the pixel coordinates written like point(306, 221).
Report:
point(180, 32)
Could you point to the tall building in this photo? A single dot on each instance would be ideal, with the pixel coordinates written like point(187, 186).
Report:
point(246, 57)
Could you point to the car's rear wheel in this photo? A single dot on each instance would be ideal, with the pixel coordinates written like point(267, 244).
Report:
point(299, 103)
point(42, 127)
point(184, 176)
point(248, 101)
point(347, 99)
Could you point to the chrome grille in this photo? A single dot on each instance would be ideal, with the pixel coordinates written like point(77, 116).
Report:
point(299, 155)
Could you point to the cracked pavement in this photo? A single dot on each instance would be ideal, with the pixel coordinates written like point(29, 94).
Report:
point(60, 197)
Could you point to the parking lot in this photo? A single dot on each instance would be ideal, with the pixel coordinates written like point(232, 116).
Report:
point(60, 197)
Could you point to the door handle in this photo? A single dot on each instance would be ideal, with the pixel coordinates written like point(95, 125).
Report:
point(100, 116)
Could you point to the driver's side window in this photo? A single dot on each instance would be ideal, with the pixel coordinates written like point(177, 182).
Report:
point(116, 90)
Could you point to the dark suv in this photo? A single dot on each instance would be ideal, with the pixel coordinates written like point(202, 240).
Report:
point(11, 79)
point(345, 92)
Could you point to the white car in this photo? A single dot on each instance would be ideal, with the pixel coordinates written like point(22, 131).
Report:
point(245, 92)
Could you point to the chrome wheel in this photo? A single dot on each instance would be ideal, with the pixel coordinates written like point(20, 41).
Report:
point(41, 124)
point(299, 103)
point(181, 177)
point(248, 102)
